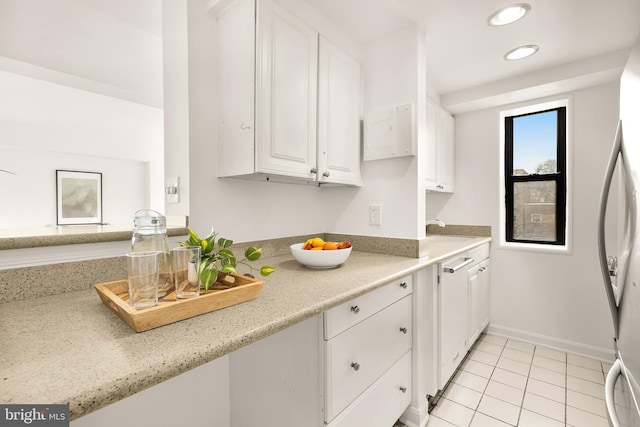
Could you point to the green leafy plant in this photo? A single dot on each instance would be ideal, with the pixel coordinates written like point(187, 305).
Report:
point(216, 257)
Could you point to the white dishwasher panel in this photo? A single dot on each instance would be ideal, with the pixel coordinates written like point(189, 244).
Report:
point(453, 321)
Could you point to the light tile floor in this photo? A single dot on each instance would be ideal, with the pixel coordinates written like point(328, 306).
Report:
point(504, 382)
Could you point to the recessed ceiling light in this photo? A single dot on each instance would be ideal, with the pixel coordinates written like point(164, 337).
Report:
point(521, 52)
point(509, 14)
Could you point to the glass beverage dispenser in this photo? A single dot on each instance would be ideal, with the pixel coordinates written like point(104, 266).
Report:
point(150, 234)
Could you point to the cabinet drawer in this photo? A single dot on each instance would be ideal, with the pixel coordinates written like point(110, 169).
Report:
point(382, 403)
point(360, 355)
point(344, 316)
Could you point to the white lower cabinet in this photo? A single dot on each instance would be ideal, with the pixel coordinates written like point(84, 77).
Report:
point(463, 308)
point(478, 300)
point(367, 351)
point(349, 367)
point(198, 398)
point(383, 402)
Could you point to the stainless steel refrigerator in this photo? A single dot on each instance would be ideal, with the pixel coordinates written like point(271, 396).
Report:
point(621, 270)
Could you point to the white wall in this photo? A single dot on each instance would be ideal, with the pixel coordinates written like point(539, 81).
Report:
point(554, 299)
point(392, 68)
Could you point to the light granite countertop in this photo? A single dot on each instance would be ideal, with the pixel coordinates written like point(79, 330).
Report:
point(70, 348)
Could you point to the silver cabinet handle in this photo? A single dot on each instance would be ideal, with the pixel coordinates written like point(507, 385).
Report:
point(355, 309)
point(403, 285)
point(314, 170)
point(403, 389)
point(355, 366)
point(466, 261)
point(325, 174)
point(403, 330)
point(244, 127)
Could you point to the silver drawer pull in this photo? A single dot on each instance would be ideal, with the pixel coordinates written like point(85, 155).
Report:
point(403, 389)
point(403, 330)
point(403, 285)
point(355, 309)
point(456, 356)
point(355, 366)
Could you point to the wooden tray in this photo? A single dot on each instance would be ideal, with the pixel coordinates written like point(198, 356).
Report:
point(115, 295)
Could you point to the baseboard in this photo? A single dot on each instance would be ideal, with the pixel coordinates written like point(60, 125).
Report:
point(413, 417)
point(602, 354)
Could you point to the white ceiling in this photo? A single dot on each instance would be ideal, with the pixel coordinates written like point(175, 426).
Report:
point(465, 55)
point(464, 52)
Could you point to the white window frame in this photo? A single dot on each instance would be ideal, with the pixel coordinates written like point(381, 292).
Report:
point(567, 248)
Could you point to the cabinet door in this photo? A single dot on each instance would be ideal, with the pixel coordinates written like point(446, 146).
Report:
point(235, 41)
point(440, 148)
point(431, 165)
point(447, 152)
point(484, 298)
point(287, 70)
point(474, 286)
point(338, 116)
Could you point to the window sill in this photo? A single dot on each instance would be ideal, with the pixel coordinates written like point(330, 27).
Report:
point(533, 247)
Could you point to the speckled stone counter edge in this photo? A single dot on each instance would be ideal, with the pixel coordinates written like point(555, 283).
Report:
point(41, 281)
point(74, 239)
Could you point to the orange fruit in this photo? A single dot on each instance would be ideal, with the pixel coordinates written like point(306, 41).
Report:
point(317, 242)
point(329, 246)
point(316, 248)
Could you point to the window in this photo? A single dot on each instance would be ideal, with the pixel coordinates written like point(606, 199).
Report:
point(535, 176)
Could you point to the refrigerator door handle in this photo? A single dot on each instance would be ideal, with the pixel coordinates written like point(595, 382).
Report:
point(602, 250)
point(609, 388)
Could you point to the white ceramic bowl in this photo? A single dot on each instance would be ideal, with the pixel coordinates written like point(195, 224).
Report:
point(319, 259)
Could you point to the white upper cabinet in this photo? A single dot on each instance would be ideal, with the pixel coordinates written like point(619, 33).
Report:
point(338, 116)
point(440, 149)
point(272, 122)
point(287, 78)
point(236, 71)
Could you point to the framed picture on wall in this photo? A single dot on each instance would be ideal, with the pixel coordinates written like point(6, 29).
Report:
point(79, 197)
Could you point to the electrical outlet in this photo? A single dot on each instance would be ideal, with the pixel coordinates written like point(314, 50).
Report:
point(375, 215)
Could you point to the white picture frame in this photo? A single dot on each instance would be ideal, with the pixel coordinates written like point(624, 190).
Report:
point(79, 197)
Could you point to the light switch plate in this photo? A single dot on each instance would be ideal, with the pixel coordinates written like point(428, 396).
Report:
point(172, 190)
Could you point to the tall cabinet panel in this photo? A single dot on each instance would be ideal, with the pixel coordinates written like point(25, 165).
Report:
point(236, 88)
point(447, 151)
point(338, 116)
point(440, 160)
point(287, 93)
